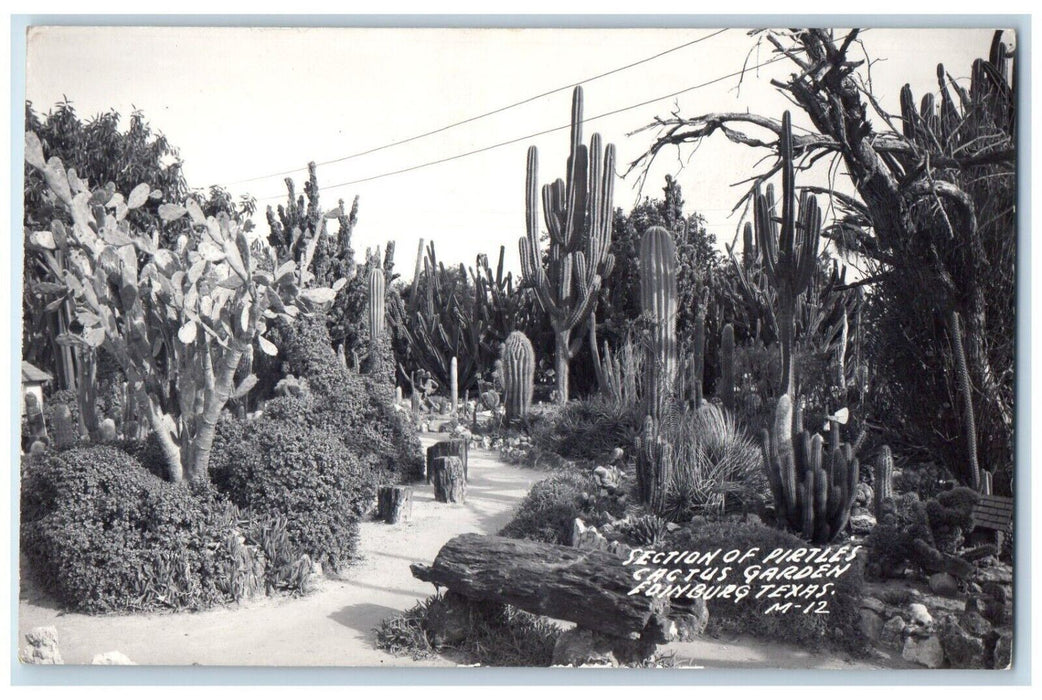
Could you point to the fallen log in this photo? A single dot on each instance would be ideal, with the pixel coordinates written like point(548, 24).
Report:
point(394, 503)
point(450, 486)
point(586, 587)
point(456, 447)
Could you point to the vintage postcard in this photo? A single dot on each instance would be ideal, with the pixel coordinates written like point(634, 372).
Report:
point(686, 347)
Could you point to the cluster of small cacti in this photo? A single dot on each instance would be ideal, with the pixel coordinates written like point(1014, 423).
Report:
point(578, 216)
point(813, 487)
point(518, 364)
point(658, 298)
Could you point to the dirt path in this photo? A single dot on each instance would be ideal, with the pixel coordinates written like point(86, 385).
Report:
point(333, 625)
point(330, 627)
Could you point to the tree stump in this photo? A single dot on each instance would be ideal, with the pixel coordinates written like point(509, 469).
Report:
point(394, 504)
point(455, 447)
point(450, 484)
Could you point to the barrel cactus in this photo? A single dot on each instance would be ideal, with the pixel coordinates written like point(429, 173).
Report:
point(518, 363)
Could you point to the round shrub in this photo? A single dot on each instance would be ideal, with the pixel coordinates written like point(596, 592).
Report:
point(102, 534)
point(548, 511)
point(305, 475)
point(357, 407)
point(840, 628)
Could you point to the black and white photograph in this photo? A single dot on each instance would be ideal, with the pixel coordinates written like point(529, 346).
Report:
point(675, 347)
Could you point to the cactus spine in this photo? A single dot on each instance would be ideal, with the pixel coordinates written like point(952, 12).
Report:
point(884, 479)
point(454, 386)
point(813, 487)
point(518, 370)
point(658, 297)
point(790, 254)
point(726, 388)
point(578, 216)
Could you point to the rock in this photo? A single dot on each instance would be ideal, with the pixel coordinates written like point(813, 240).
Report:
point(871, 625)
point(962, 649)
point(919, 614)
point(41, 646)
point(974, 623)
point(862, 523)
point(1000, 573)
point(874, 604)
point(1003, 651)
point(691, 617)
point(863, 495)
point(893, 632)
point(944, 584)
point(582, 647)
point(925, 652)
point(446, 620)
point(112, 658)
point(995, 590)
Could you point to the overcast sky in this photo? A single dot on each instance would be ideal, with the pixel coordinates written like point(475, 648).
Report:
point(243, 103)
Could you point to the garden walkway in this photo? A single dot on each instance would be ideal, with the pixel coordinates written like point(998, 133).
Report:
point(333, 626)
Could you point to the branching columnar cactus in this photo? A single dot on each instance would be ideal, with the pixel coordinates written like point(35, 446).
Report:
point(790, 254)
point(654, 457)
point(518, 363)
point(578, 216)
point(658, 298)
point(727, 379)
point(813, 487)
point(884, 479)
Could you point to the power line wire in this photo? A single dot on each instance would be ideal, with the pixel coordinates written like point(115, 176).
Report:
point(538, 133)
point(485, 114)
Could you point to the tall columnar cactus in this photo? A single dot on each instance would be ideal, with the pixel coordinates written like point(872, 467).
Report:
point(377, 300)
point(518, 363)
point(654, 457)
point(790, 254)
point(658, 298)
point(454, 386)
point(884, 479)
point(972, 475)
point(696, 368)
point(726, 388)
point(813, 487)
point(578, 216)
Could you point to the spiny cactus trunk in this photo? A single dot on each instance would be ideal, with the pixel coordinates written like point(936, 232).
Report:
point(884, 481)
point(518, 364)
point(972, 475)
point(658, 295)
point(727, 379)
point(561, 363)
point(454, 386)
